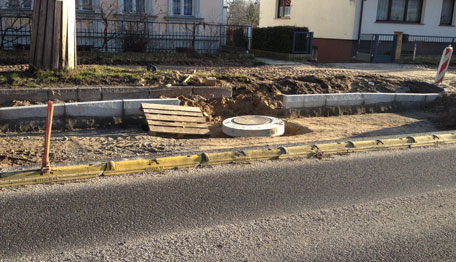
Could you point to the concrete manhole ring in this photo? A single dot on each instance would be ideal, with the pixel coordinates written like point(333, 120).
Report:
point(253, 126)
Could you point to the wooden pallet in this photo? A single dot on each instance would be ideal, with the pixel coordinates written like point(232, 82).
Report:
point(178, 120)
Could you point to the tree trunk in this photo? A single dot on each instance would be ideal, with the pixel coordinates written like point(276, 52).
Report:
point(53, 43)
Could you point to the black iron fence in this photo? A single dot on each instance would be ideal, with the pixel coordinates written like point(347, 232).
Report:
point(378, 47)
point(381, 47)
point(115, 35)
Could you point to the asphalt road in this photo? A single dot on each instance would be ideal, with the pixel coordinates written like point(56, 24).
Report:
point(382, 206)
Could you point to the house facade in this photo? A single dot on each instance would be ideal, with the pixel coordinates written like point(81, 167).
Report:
point(339, 25)
point(207, 11)
point(128, 25)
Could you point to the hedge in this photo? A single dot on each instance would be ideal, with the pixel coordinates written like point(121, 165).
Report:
point(275, 39)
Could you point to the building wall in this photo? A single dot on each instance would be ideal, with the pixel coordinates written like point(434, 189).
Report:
point(335, 50)
point(329, 19)
point(430, 21)
point(211, 11)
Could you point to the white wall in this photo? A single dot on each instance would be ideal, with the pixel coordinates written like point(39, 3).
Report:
point(332, 19)
point(430, 23)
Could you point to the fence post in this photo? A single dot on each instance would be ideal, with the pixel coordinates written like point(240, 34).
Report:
point(46, 166)
point(399, 36)
point(249, 35)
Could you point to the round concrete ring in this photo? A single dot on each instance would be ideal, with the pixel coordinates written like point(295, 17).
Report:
point(253, 126)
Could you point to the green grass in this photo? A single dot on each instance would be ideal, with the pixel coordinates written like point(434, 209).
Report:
point(131, 58)
point(87, 76)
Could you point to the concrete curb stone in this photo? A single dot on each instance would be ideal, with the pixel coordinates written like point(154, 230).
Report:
point(378, 98)
point(112, 108)
point(113, 93)
point(307, 101)
point(344, 99)
point(357, 99)
point(32, 95)
point(97, 109)
point(173, 91)
point(89, 94)
point(69, 94)
point(211, 92)
point(30, 112)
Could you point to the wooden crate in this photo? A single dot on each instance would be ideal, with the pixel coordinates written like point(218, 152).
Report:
point(177, 120)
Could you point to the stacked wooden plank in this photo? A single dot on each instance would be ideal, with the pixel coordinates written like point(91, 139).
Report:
point(178, 120)
point(53, 41)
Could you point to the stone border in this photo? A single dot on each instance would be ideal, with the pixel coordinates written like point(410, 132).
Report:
point(69, 116)
point(86, 94)
point(314, 101)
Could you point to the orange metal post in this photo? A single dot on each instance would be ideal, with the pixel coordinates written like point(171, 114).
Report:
point(46, 166)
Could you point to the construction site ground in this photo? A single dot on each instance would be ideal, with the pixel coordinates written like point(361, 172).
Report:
point(256, 90)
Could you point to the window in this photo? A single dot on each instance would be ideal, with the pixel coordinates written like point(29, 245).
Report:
point(134, 6)
point(447, 12)
point(83, 4)
point(19, 4)
point(182, 7)
point(284, 8)
point(140, 6)
point(128, 6)
point(400, 10)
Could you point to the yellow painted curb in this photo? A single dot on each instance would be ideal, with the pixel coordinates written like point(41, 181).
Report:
point(68, 173)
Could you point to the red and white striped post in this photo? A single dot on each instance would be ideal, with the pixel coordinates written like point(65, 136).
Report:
point(444, 63)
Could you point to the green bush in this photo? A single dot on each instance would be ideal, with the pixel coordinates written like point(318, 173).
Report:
point(275, 39)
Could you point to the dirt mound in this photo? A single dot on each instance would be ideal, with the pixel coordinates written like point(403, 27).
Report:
point(262, 93)
point(446, 111)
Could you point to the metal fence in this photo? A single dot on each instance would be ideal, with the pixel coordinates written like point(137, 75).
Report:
point(378, 46)
point(425, 45)
point(96, 34)
point(381, 48)
point(302, 42)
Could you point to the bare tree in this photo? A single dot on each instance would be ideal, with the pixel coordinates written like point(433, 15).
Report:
point(12, 28)
point(243, 12)
point(106, 13)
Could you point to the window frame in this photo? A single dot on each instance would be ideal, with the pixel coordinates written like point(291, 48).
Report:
point(452, 15)
point(281, 15)
point(134, 7)
point(404, 19)
point(182, 9)
point(20, 4)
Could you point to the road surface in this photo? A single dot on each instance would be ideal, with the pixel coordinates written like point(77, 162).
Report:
point(381, 206)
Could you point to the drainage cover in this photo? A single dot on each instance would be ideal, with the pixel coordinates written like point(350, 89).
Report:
point(251, 126)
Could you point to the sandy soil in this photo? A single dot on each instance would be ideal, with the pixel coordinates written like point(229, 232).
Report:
point(257, 90)
point(98, 145)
